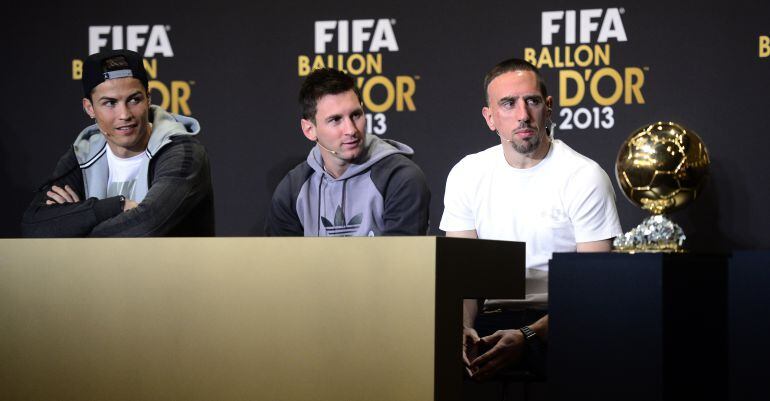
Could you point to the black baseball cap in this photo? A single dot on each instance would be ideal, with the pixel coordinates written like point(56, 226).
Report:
point(112, 64)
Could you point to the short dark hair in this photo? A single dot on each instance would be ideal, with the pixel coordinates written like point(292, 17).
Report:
point(322, 82)
point(512, 64)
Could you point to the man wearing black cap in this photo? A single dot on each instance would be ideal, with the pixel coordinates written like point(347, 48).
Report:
point(138, 171)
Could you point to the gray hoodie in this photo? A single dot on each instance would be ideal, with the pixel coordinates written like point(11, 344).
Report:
point(90, 146)
point(177, 196)
point(384, 194)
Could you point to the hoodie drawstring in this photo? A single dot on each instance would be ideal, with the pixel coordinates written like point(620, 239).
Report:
point(344, 191)
point(318, 226)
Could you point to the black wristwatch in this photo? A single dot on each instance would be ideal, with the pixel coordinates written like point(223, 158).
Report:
point(529, 334)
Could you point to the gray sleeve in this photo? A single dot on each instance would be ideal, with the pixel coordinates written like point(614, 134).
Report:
point(405, 193)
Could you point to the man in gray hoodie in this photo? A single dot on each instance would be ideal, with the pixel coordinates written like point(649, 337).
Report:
point(352, 183)
point(138, 171)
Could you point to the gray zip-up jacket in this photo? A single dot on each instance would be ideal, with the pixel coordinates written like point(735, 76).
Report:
point(385, 194)
point(175, 187)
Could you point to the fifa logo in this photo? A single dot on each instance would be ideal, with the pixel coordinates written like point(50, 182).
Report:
point(586, 21)
point(154, 39)
point(353, 35)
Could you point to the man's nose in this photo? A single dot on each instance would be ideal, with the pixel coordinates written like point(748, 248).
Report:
point(521, 111)
point(122, 110)
point(351, 128)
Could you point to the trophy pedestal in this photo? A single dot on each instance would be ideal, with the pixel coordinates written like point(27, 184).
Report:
point(749, 328)
point(638, 327)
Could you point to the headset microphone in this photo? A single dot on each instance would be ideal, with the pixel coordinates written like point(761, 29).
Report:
point(325, 148)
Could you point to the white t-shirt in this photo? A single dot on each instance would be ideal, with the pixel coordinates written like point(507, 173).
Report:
point(565, 199)
point(123, 174)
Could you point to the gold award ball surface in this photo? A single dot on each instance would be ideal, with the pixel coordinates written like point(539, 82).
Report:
point(661, 167)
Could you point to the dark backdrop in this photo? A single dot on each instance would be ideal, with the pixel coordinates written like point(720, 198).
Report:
point(702, 66)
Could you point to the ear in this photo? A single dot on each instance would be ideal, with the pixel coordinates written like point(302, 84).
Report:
point(88, 108)
point(549, 106)
point(487, 113)
point(308, 128)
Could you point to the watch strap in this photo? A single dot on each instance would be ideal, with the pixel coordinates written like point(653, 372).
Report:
point(529, 334)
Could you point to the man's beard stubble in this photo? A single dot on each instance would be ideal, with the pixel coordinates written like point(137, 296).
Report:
point(528, 146)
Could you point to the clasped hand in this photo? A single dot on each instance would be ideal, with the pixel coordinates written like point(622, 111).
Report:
point(502, 348)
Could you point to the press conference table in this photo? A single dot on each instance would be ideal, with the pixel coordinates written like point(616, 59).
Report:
point(242, 318)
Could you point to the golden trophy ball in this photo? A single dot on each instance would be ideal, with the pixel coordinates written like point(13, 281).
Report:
point(661, 168)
